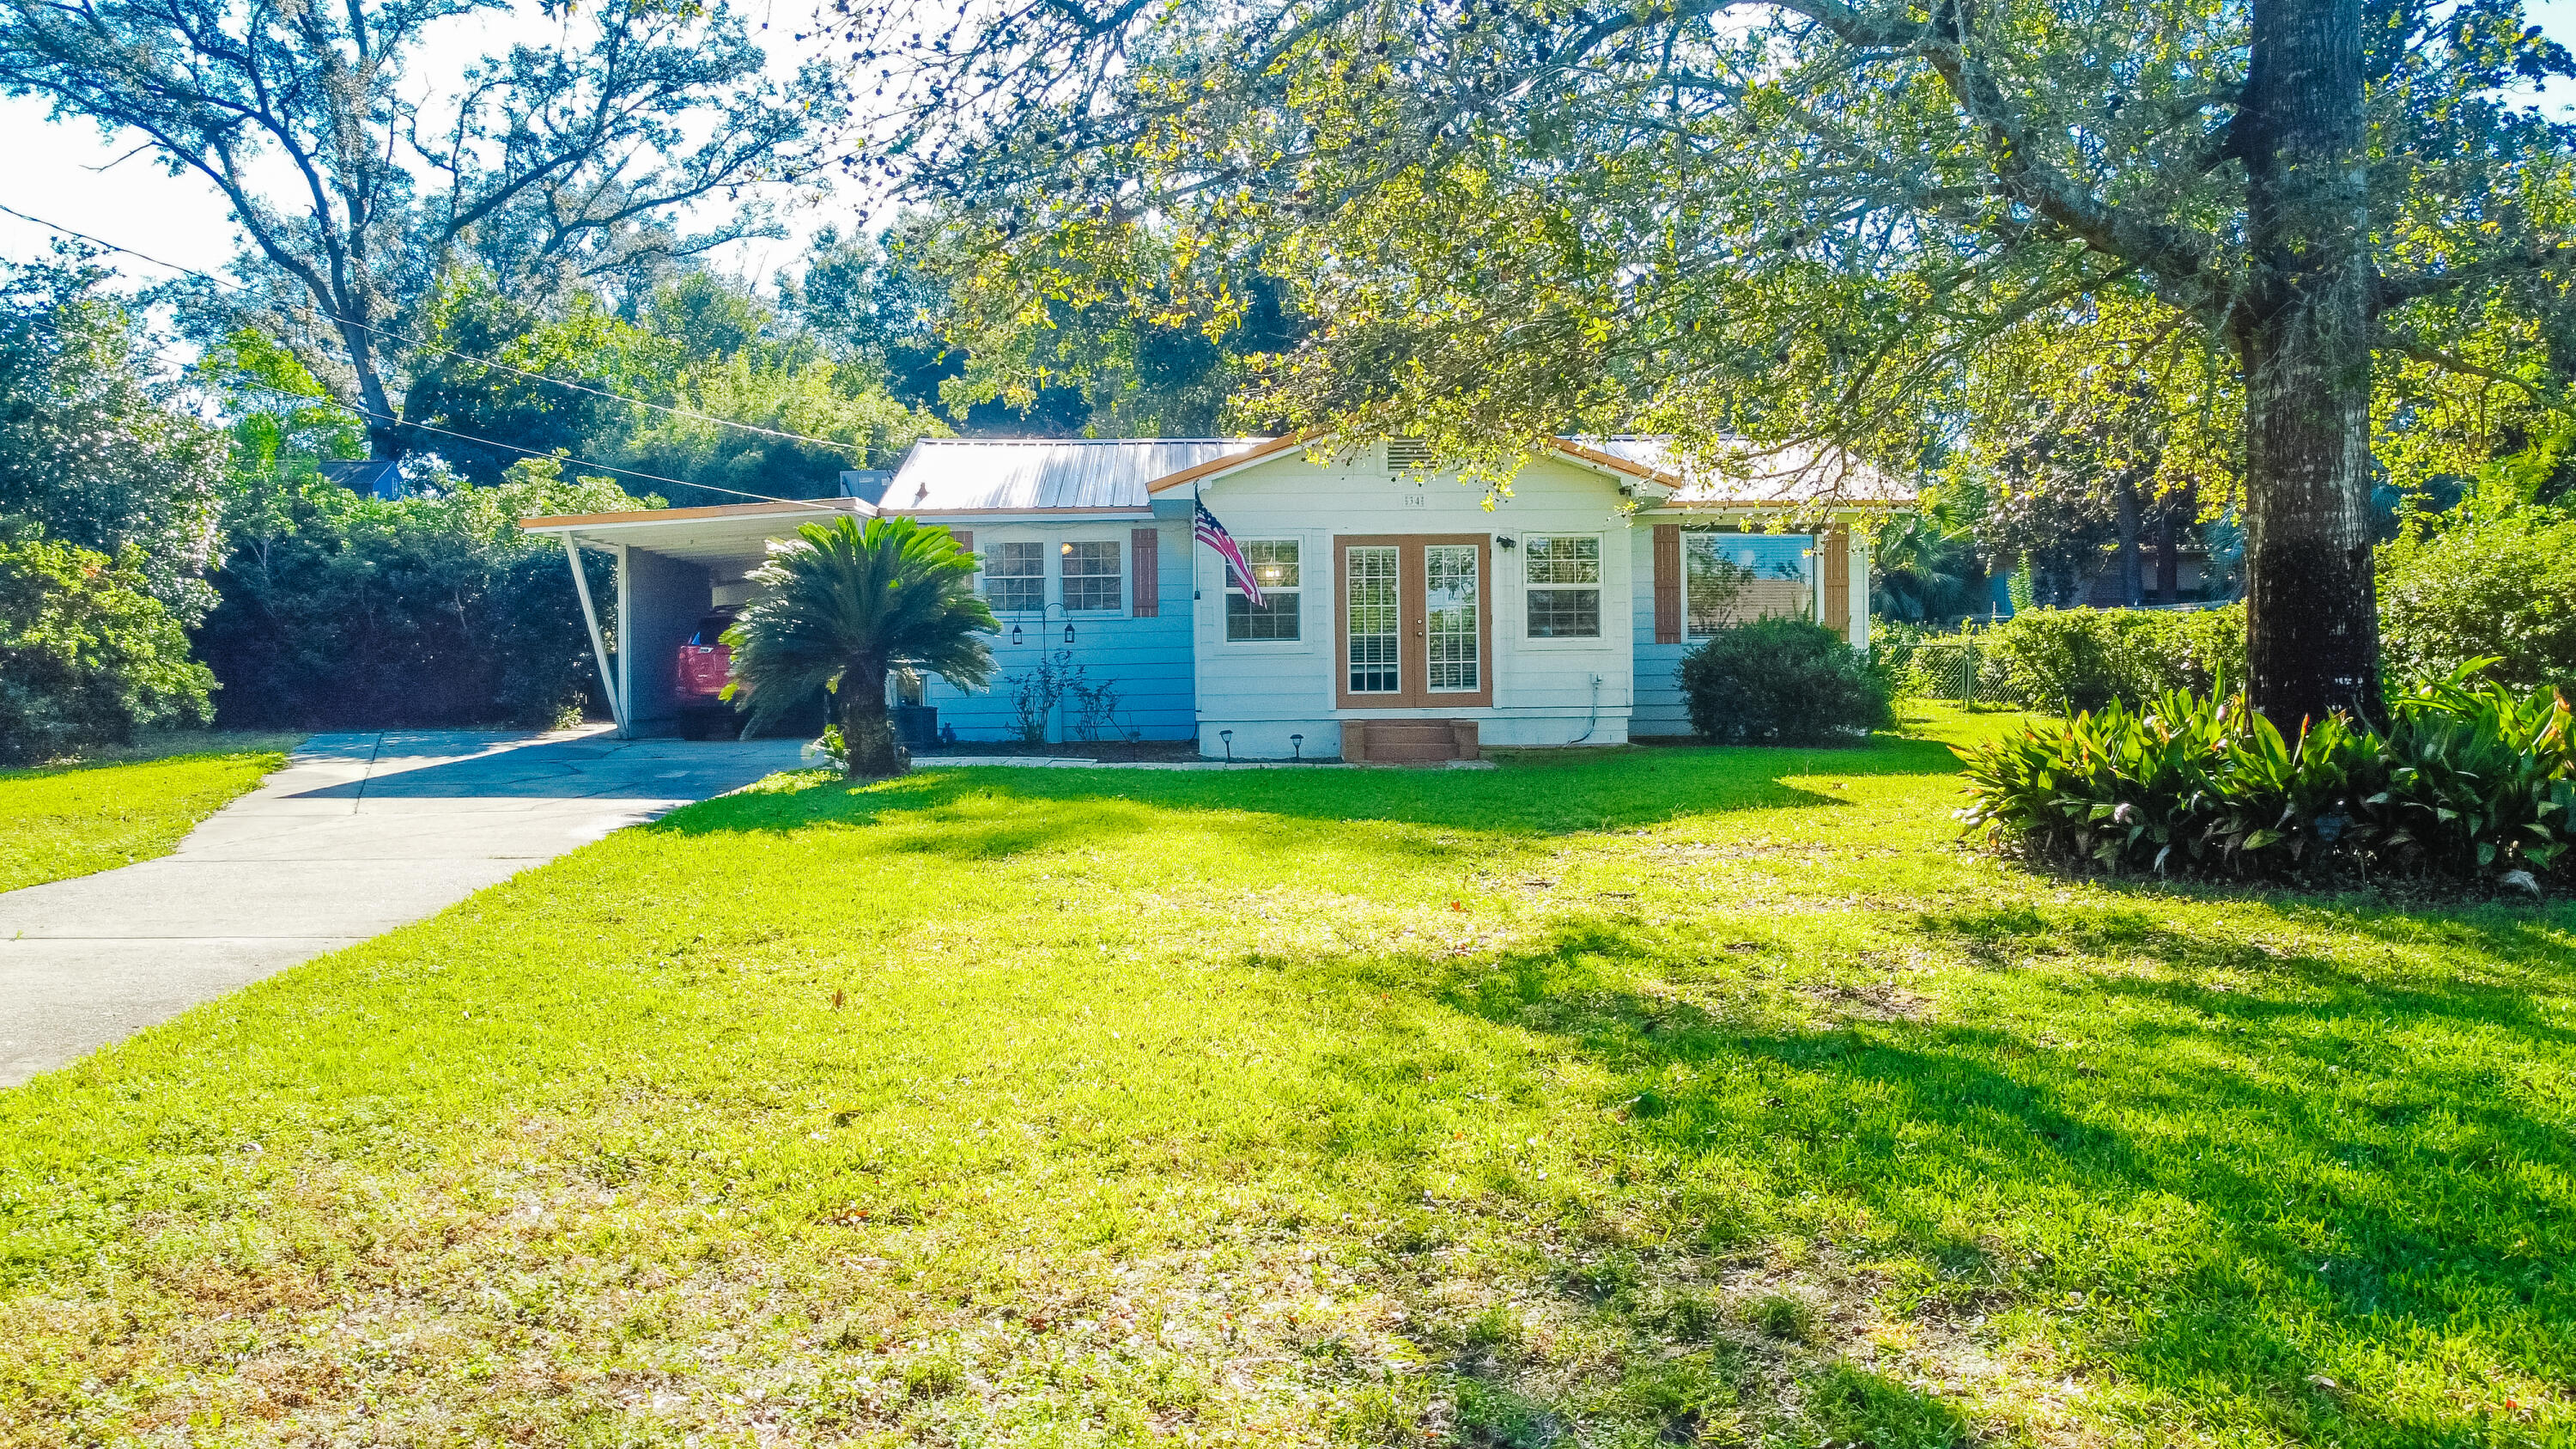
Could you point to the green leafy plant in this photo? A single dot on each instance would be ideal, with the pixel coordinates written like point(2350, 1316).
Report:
point(337, 611)
point(2065, 660)
point(840, 607)
point(87, 654)
point(2504, 587)
point(2469, 780)
point(1781, 681)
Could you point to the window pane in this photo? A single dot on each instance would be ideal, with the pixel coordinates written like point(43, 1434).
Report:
point(1451, 610)
point(1375, 620)
point(1562, 560)
point(1015, 578)
point(1273, 560)
point(1274, 618)
point(1091, 577)
point(1565, 613)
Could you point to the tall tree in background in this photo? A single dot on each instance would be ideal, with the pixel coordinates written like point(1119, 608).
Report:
point(1788, 219)
point(545, 164)
point(95, 447)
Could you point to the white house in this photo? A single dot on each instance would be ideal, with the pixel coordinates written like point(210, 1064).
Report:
point(1400, 618)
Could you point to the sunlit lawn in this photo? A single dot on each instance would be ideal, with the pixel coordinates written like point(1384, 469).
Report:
point(1665, 1096)
point(68, 820)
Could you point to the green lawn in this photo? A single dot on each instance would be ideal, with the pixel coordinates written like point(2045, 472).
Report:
point(1671, 1096)
point(66, 820)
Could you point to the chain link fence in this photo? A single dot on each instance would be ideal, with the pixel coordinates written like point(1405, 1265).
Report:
point(1950, 667)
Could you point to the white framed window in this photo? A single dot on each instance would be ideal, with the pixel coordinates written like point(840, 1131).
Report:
point(1015, 578)
point(1562, 574)
point(1276, 568)
point(1092, 579)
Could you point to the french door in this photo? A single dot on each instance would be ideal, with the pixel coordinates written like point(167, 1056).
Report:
point(1415, 621)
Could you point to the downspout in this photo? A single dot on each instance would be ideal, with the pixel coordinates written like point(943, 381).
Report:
point(598, 643)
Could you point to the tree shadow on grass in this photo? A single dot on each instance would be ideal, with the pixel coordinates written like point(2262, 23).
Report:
point(2253, 1202)
point(1537, 794)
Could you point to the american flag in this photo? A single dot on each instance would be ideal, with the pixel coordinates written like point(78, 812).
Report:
point(1213, 534)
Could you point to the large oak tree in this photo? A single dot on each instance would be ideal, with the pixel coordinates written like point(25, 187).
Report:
point(361, 183)
point(1779, 219)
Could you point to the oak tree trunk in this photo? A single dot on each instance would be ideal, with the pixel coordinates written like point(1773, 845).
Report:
point(867, 729)
point(2133, 576)
point(2302, 332)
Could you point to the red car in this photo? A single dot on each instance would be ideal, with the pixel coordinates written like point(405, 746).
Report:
point(703, 666)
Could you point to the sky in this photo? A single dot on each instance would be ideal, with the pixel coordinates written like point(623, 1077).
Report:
point(67, 173)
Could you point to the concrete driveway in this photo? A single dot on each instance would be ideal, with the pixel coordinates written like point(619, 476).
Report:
point(360, 833)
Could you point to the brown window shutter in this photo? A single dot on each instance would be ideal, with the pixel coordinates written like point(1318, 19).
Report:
point(1837, 546)
point(1668, 583)
point(965, 539)
point(1145, 556)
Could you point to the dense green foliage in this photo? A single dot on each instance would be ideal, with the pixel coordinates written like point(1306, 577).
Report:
point(1665, 1097)
point(87, 654)
point(2064, 660)
point(70, 820)
point(1783, 681)
point(93, 446)
point(2503, 588)
point(844, 604)
point(341, 612)
point(2466, 782)
point(366, 167)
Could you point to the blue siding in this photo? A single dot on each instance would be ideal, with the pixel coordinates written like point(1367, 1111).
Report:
point(1659, 709)
point(1146, 660)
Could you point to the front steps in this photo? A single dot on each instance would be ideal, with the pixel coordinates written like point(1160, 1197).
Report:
point(1408, 741)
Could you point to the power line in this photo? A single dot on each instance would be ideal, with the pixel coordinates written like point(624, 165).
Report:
point(450, 351)
point(814, 504)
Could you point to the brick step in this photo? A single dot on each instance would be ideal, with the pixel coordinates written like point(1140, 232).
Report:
point(1408, 741)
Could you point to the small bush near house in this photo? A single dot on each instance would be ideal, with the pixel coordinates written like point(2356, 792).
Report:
point(2505, 589)
point(342, 612)
point(87, 655)
point(2066, 660)
point(1783, 682)
point(2466, 782)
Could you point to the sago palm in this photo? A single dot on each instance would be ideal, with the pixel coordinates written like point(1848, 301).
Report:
point(843, 603)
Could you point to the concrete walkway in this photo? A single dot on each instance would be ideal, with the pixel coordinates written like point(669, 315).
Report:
point(360, 833)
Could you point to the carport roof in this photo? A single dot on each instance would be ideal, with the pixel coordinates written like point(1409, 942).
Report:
point(730, 533)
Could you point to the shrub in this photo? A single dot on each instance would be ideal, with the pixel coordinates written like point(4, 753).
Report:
point(2466, 782)
point(2504, 588)
point(2066, 660)
point(342, 612)
point(87, 654)
point(1783, 682)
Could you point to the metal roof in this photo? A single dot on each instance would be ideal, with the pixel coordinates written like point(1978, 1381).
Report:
point(1001, 475)
point(1748, 474)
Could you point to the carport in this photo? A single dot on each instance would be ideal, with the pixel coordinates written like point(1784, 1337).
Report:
point(672, 566)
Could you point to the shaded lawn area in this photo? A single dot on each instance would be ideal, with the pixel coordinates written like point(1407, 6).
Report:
point(59, 821)
point(1673, 1095)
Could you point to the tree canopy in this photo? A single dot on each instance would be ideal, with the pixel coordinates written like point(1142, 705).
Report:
point(1788, 220)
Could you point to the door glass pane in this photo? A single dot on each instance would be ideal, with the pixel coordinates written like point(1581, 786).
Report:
point(1375, 619)
point(1450, 571)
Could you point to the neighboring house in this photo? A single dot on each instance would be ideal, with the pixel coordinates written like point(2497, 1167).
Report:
point(1400, 617)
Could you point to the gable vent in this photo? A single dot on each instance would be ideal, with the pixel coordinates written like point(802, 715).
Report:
point(1408, 453)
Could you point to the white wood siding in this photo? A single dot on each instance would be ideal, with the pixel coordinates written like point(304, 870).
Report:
point(1543, 688)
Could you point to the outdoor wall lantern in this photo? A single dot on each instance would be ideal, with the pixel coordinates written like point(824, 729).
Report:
point(1228, 737)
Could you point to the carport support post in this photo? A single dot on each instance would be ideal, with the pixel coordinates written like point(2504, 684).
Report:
point(598, 643)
